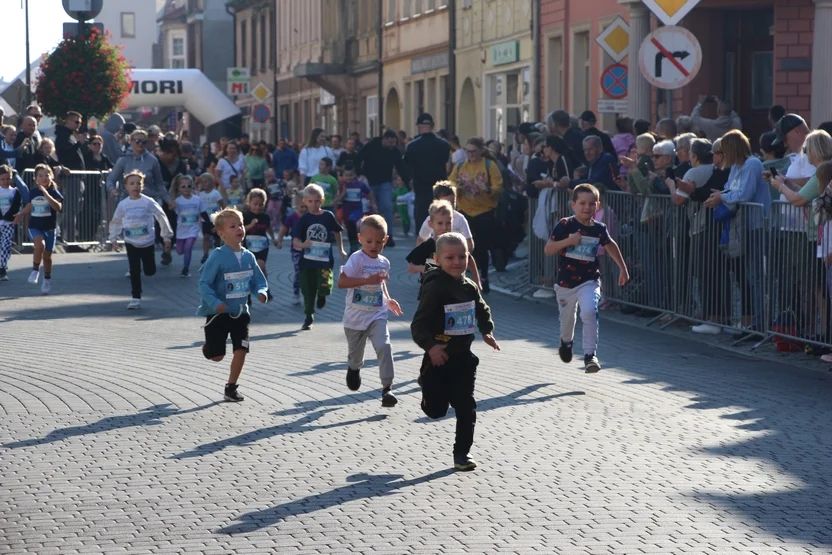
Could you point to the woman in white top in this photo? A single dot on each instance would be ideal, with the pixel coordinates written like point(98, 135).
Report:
point(311, 154)
point(231, 164)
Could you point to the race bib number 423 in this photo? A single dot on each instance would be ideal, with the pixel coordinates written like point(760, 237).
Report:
point(459, 319)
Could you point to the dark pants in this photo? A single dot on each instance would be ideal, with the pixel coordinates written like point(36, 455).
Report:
point(352, 234)
point(452, 384)
point(314, 283)
point(138, 258)
point(90, 219)
point(423, 198)
point(484, 231)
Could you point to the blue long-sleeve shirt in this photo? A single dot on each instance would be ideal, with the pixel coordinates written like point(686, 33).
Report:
point(224, 279)
point(602, 171)
point(285, 160)
point(746, 184)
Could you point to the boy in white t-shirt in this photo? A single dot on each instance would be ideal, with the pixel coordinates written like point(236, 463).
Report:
point(443, 190)
point(368, 301)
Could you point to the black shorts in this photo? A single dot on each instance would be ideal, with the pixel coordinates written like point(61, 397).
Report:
point(206, 230)
point(261, 255)
point(218, 330)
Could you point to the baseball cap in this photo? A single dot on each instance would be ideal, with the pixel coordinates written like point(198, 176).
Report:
point(154, 130)
point(526, 128)
point(589, 116)
point(424, 119)
point(786, 124)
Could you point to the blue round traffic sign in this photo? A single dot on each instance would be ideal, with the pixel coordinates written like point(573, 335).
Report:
point(614, 81)
point(261, 113)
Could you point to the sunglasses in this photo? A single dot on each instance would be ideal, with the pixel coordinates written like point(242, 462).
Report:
point(186, 186)
point(140, 141)
point(95, 144)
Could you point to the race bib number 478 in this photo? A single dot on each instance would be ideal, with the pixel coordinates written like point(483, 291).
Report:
point(460, 319)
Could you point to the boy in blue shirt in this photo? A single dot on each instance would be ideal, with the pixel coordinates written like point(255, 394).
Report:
point(314, 233)
point(225, 282)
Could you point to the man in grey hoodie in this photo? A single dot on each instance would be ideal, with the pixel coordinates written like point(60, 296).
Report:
point(112, 149)
point(143, 161)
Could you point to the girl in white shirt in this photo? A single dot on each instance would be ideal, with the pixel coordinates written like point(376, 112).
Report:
point(311, 155)
point(232, 164)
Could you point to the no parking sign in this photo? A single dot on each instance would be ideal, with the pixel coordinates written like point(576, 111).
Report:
point(614, 81)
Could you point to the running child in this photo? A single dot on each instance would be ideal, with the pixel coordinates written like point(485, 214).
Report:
point(289, 224)
point(44, 204)
point(10, 201)
point(365, 314)
point(190, 210)
point(258, 230)
point(404, 198)
point(315, 232)
point(226, 280)
point(357, 201)
point(213, 202)
point(235, 195)
point(576, 240)
point(277, 192)
point(444, 190)
point(440, 221)
point(134, 217)
point(327, 181)
point(451, 309)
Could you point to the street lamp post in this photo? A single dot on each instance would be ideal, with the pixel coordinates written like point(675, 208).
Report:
point(28, 72)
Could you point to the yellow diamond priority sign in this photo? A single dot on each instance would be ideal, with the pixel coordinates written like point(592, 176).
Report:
point(615, 39)
point(670, 12)
point(261, 92)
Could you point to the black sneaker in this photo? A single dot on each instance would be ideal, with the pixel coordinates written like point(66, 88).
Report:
point(204, 258)
point(307, 324)
point(464, 463)
point(353, 379)
point(486, 288)
point(166, 258)
point(591, 364)
point(231, 393)
point(186, 273)
point(4, 276)
point(321, 301)
point(565, 351)
point(387, 398)
point(391, 244)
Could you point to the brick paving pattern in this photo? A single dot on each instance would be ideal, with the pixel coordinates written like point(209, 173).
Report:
point(113, 439)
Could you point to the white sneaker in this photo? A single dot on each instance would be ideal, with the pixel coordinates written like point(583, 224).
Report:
point(707, 328)
point(46, 288)
point(127, 275)
point(543, 294)
point(34, 276)
point(134, 304)
point(295, 299)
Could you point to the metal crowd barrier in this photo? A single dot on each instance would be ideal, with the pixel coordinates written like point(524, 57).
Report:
point(755, 276)
point(85, 218)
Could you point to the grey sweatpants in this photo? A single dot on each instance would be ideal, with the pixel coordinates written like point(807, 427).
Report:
point(380, 338)
point(585, 296)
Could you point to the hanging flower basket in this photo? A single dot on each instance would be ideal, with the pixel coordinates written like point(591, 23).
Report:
point(84, 74)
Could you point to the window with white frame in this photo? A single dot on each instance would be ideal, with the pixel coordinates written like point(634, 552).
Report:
point(372, 117)
point(177, 50)
point(580, 72)
point(128, 25)
point(406, 9)
point(417, 8)
point(391, 12)
point(508, 99)
point(554, 74)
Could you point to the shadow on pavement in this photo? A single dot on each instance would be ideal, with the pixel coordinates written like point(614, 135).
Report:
point(299, 426)
point(152, 310)
point(325, 367)
point(303, 407)
point(362, 486)
point(151, 416)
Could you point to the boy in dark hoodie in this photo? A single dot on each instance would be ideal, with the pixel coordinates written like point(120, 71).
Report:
point(450, 310)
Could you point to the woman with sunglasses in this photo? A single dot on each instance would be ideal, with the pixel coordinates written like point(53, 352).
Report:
point(257, 165)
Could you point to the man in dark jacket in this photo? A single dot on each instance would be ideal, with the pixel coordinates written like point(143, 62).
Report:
point(560, 124)
point(376, 162)
point(602, 166)
point(69, 150)
point(284, 158)
point(426, 157)
point(588, 121)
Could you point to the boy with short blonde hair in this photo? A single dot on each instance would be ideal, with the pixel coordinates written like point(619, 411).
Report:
point(226, 280)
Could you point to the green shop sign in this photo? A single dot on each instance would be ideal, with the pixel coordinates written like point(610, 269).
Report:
point(505, 53)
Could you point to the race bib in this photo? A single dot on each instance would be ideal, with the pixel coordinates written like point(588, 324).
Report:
point(257, 243)
point(5, 204)
point(319, 252)
point(274, 188)
point(587, 250)
point(353, 195)
point(365, 205)
point(190, 217)
point(211, 207)
point(136, 231)
point(367, 299)
point(235, 201)
point(237, 284)
point(459, 319)
point(40, 208)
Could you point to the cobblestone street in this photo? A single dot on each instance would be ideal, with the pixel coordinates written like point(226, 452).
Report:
point(114, 438)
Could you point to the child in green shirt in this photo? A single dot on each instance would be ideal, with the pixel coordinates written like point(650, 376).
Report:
point(327, 181)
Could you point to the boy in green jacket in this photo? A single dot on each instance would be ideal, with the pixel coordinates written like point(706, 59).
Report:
point(450, 310)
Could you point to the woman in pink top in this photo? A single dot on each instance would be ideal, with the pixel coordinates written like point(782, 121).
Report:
point(624, 140)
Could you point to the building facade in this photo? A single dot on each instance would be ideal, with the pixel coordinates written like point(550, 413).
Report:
point(755, 53)
point(256, 49)
point(416, 60)
point(494, 63)
point(328, 65)
point(132, 25)
point(199, 34)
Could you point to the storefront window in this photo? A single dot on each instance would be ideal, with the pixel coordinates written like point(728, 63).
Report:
point(508, 96)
